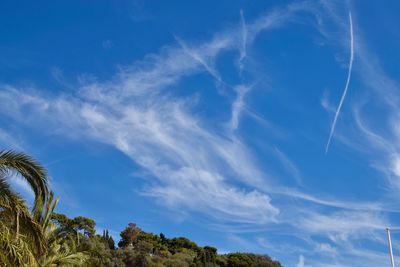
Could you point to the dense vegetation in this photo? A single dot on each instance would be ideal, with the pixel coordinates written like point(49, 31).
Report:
point(41, 237)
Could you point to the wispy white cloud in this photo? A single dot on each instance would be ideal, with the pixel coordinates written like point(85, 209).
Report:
point(325, 248)
point(379, 136)
point(22, 186)
point(346, 233)
point(341, 226)
point(192, 165)
point(8, 141)
point(289, 166)
point(300, 263)
point(329, 201)
point(238, 105)
point(164, 139)
point(190, 162)
point(326, 104)
point(275, 19)
point(213, 196)
point(354, 256)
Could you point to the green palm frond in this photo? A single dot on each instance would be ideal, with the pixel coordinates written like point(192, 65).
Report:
point(16, 215)
point(60, 242)
point(62, 250)
point(48, 210)
point(31, 171)
point(14, 252)
point(30, 238)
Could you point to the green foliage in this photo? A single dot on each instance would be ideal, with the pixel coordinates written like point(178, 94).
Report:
point(61, 220)
point(129, 235)
point(30, 170)
point(14, 252)
point(221, 260)
point(108, 240)
point(21, 235)
point(177, 243)
point(206, 257)
point(80, 223)
point(250, 260)
point(240, 260)
point(84, 224)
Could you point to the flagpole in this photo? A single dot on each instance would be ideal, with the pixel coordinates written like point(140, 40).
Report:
point(390, 247)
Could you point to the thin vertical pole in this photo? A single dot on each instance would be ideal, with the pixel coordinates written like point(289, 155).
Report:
point(390, 246)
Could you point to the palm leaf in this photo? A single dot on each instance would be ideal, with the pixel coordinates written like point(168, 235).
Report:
point(31, 171)
point(15, 214)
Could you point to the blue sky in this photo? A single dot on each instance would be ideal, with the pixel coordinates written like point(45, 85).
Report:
point(212, 120)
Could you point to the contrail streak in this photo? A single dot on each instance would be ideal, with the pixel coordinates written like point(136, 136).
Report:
point(243, 51)
point(346, 87)
point(200, 60)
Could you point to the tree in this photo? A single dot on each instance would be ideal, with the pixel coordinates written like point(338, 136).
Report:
point(30, 238)
point(206, 257)
point(175, 244)
point(60, 242)
point(61, 220)
point(249, 259)
point(62, 250)
point(21, 237)
point(240, 260)
point(108, 240)
point(163, 238)
point(75, 225)
point(129, 235)
point(84, 224)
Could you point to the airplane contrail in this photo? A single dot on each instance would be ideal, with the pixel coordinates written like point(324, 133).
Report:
point(243, 48)
point(200, 60)
point(346, 86)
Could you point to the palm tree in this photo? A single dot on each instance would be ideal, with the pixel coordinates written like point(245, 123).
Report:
point(21, 236)
point(60, 242)
point(13, 162)
point(31, 238)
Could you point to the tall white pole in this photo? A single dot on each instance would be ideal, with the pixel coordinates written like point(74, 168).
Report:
point(390, 246)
